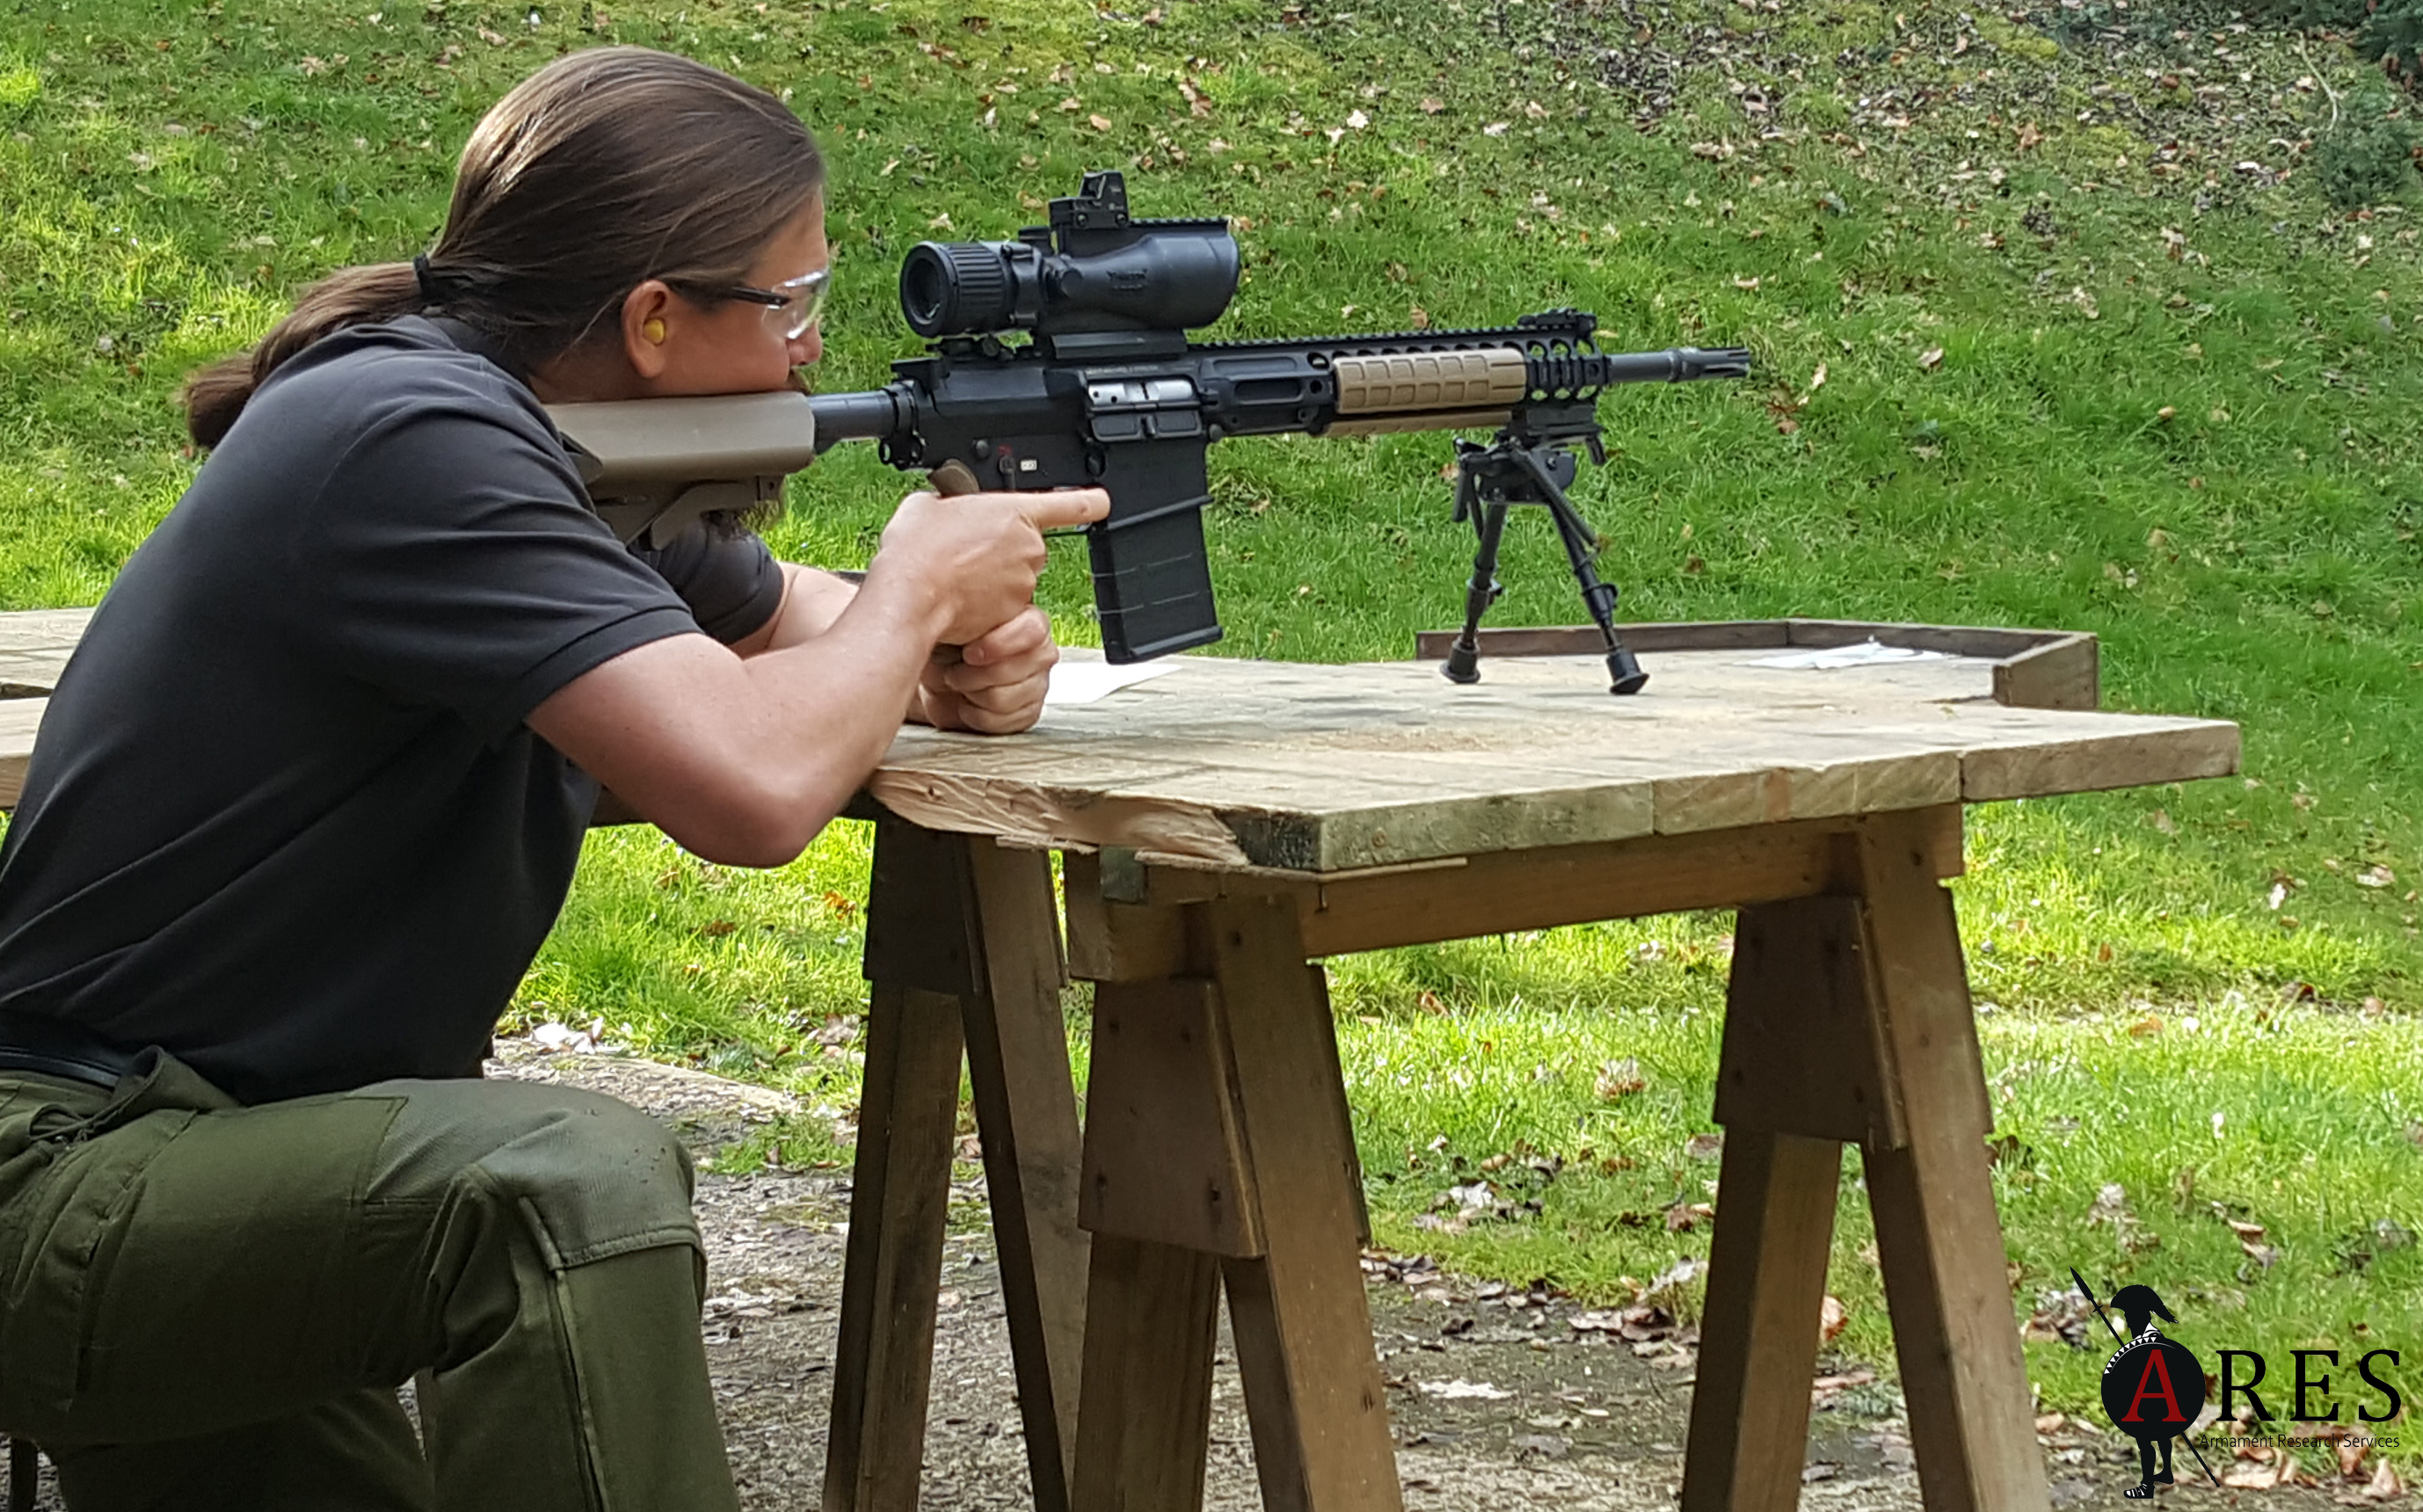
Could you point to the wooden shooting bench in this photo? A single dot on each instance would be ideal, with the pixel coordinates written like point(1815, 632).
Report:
point(1228, 824)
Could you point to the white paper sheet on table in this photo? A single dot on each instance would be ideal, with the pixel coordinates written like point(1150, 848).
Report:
point(1082, 682)
point(1866, 653)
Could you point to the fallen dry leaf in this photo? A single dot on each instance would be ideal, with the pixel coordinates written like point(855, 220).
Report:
point(1931, 359)
point(1618, 1078)
point(1674, 1276)
point(1831, 1318)
point(2352, 1453)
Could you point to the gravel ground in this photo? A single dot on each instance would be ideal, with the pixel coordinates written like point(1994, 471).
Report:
point(1500, 1401)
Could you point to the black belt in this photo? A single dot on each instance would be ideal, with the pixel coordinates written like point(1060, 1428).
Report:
point(55, 1048)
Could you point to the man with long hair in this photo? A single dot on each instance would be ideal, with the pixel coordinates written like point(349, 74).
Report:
point(311, 791)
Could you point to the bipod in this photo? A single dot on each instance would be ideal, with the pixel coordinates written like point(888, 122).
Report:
point(1507, 472)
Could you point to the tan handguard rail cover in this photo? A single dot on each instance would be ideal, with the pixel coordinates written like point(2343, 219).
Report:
point(655, 466)
point(1480, 379)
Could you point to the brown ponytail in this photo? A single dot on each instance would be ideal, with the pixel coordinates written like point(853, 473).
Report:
point(601, 170)
point(215, 395)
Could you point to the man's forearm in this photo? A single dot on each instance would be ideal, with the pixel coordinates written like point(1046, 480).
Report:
point(812, 599)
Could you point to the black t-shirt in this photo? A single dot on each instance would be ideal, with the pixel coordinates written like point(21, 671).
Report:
point(284, 818)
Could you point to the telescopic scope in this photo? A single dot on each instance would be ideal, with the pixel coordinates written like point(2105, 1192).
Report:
point(1093, 268)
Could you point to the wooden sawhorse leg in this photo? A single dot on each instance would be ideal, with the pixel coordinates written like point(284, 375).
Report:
point(962, 946)
point(1850, 1019)
point(1218, 1150)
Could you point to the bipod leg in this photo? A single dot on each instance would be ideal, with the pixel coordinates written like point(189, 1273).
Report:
point(1488, 527)
point(1488, 518)
point(1598, 595)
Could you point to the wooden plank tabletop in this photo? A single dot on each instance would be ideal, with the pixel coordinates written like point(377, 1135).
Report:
point(1326, 768)
point(34, 647)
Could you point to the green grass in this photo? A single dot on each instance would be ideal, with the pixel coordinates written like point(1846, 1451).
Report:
point(2176, 404)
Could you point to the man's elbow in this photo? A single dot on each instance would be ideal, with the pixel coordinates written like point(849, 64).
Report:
point(761, 850)
point(751, 824)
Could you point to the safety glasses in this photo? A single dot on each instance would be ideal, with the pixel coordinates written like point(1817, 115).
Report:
point(794, 306)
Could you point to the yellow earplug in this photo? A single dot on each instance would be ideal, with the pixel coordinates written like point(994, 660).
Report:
point(654, 330)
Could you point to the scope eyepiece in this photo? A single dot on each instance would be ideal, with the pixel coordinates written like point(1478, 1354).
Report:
point(967, 288)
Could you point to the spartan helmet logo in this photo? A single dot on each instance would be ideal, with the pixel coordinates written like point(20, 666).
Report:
point(2153, 1387)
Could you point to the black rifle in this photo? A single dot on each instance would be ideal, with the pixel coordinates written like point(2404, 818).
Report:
point(1109, 392)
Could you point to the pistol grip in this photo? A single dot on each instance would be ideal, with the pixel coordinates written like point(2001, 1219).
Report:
point(953, 478)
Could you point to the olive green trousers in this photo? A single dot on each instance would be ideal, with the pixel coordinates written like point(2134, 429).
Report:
point(206, 1306)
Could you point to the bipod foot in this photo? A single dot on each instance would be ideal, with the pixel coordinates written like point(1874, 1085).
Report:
point(1624, 671)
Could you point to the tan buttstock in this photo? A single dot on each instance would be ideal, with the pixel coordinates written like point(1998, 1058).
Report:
point(653, 465)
